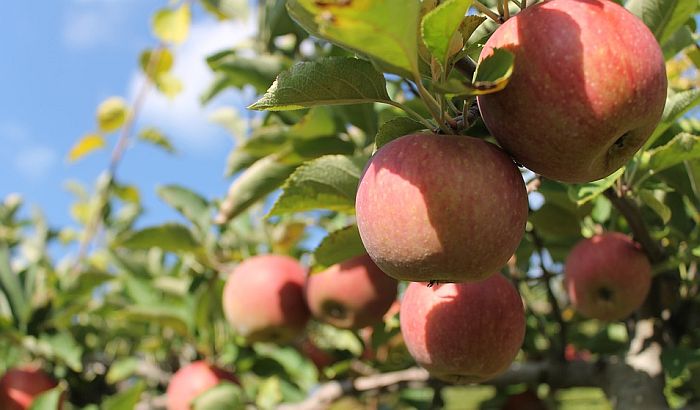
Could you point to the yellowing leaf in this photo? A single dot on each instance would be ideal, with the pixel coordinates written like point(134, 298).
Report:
point(111, 114)
point(168, 84)
point(86, 145)
point(172, 25)
point(155, 62)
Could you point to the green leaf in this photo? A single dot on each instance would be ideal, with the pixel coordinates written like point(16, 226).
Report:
point(65, 348)
point(553, 220)
point(169, 237)
point(126, 399)
point(395, 128)
point(190, 204)
point(263, 177)
point(318, 122)
point(48, 400)
point(469, 25)
point(329, 182)
point(677, 104)
point(172, 25)
point(154, 136)
point(339, 246)
point(11, 286)
point(121, 369)
point(663, 211)
point(156, 62)
point(582, 193)
point(683, 147)
point(494, 71)
point(327, 81)
point(111, 114)
point(226, 9)
point(679, 41)
point(86, 145)
point(440, 25)
point(663, 17)
point(238, 71)
point(224, 395)
point(675, 360)
point(164, 315)
point(365, 26)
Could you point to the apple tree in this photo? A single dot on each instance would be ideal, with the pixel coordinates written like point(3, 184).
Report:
point(461, 204)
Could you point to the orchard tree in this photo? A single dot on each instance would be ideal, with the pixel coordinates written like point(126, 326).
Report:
point(528, 171)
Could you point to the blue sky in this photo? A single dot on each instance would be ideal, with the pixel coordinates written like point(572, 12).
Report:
point(62, 58)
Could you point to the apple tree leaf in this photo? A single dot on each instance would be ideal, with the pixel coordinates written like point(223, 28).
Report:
point(155, 137)
point(491, 75)
point(234, 70)
point(126, 399)
point(318, 122)
point(440, 25)
point(190, 204)
point(683, 147)
point(469, 25)
point(663, 17)
point(172, 25)
point(582, 193)
point(327, 81)
point(85, 145)
point(329, 182)
point(339, 246)
point(364, 26)
point(169, 237)
point(663, 211)
point(48, 400)
point(224, 395)
point(395, 128)
point(677, 104)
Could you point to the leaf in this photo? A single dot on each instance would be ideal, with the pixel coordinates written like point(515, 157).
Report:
point(261, 178)
point(226, 9)
point(11, 286)
point(111, 114)
point(491, 75)
point(64, 347)
point(677, 104)
point(86, 145)
point(169, 237)
point(339, 246)
point(364, 26)
point(395, 128)
point(238, 71)
point(47, 400)
point(318, 122)
point(126, 399)
point(121, 369)
point(329, 182)
point(163, 315)
point(663, 17)
point(191, 205)
point(156, 62)
point(172, 25)
point(224, 395)
point(154, 136)
point(582, 193)
point(127, 193)
point(440, 25)
point(168, 84)
point(327, 81)
point(683, 147)
point(663, 211)
point(469, 25)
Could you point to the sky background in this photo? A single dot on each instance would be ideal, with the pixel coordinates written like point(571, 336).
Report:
point(64, 57)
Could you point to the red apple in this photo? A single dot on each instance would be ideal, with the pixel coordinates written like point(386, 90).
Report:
point(193, 380)
point(607, 276)
point(264, 299)
point(441, 207)
point(587, 90)
point(351, 294)
point(463, 332)
point(19, 387)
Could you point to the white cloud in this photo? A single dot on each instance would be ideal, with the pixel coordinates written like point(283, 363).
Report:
point(183, 118)
point(91, 23)
point(35, 161)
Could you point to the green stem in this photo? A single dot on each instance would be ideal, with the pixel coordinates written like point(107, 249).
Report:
point(412, 113)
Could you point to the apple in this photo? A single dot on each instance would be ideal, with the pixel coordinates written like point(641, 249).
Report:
point(19, 387)
point(263, 299)
point(440, 208)
point(193, 380)
point(607, 277)
point(351, 294)
point(463, 332)
point(587, 90)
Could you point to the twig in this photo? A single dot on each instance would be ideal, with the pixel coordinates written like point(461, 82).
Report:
point(487, 11)
point(633, 215)
point(506, 12)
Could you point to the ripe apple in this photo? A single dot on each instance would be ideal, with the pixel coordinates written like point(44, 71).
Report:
point(351, 294)
point(587, 90)
point(263, 299)
point(607, 276)
point(192, 380)
point(440, 207)
point(463, 332)
point(19, 387)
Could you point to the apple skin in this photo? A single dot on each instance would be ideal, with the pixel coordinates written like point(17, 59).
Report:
point(440, 208)
point(463, 332)
point(192, 380)
point(587, 90)
point(263, 299)
point(351, 294)
point(19, 387)
point(607, 277)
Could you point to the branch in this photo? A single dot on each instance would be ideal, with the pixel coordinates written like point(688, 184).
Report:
point(633, 215)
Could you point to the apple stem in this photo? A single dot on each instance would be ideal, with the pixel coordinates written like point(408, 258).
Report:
point(488, 12)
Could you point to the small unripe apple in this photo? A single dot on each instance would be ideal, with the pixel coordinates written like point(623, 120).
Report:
point(463, 332)
point(351, 294)
point(20, 386)
point(263, 299)
point(193, 380)
point(607, 277)
point(440, 207)
point(587, 90)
